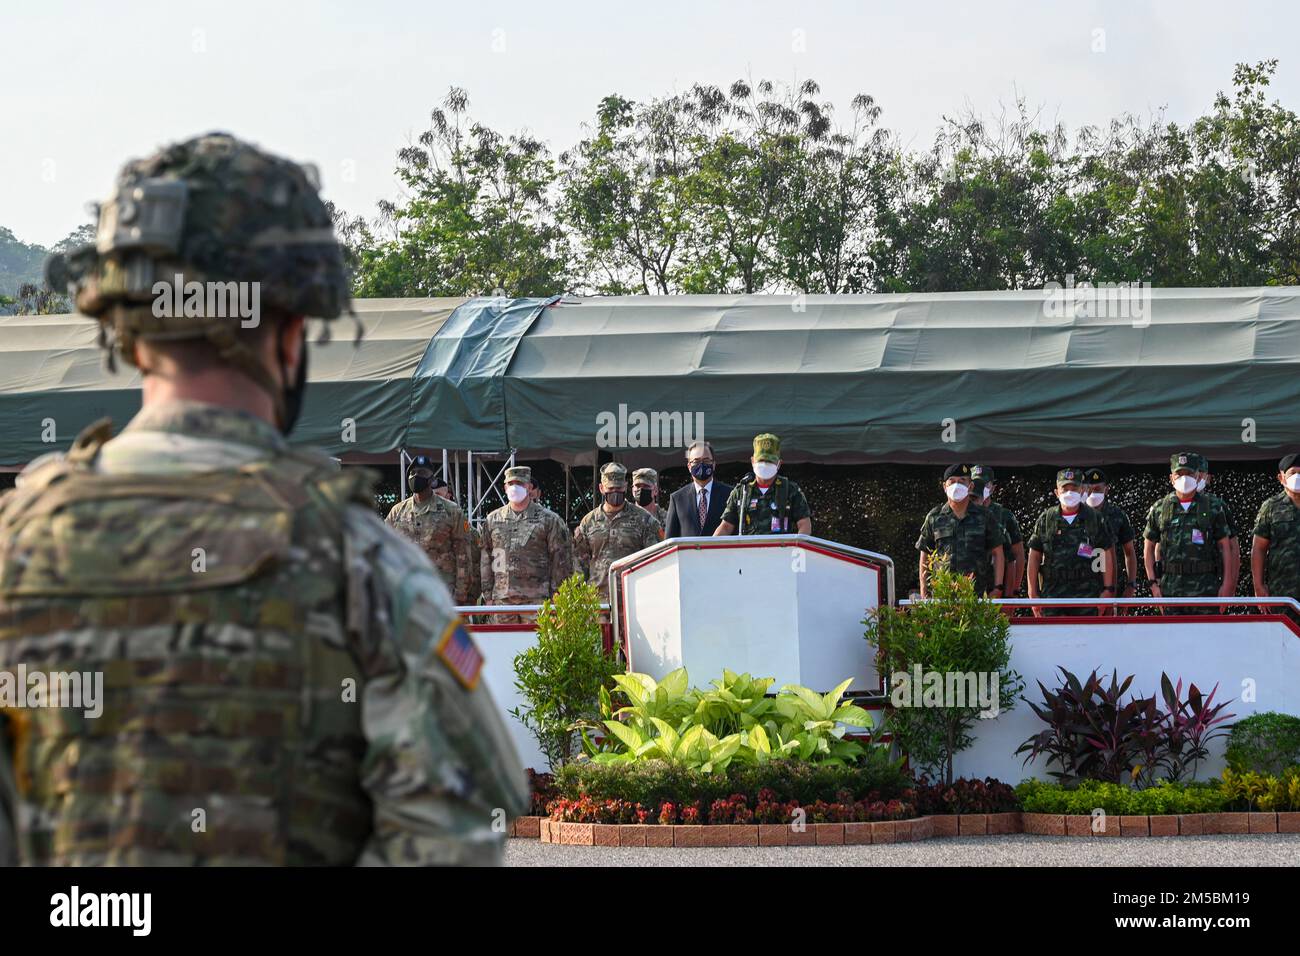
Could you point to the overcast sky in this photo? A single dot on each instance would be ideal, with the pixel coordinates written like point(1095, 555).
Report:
point(345, 84)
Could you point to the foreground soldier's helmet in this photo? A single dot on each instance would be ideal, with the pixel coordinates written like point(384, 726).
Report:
point(212, 209)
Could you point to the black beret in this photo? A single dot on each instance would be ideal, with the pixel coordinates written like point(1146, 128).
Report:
point(1094, 476)
point(957, 471)
point(1288, 461)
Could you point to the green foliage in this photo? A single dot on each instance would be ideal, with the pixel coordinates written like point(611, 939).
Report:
point(709, 729)
point(652, 782)
point(1266, 743)
point(1266, 793)
point(1037, 796)
point(954, 632)
point(563, 676)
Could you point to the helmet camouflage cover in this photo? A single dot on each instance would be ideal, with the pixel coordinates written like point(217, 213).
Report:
point(212, 209)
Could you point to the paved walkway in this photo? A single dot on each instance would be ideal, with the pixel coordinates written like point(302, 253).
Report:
point(1281, 849)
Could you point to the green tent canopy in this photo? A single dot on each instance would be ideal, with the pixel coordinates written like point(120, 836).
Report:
point(1005, 377)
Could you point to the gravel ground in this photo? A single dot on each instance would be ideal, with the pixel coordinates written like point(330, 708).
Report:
point(1019, 850)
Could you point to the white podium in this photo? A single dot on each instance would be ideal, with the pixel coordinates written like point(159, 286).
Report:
point(783, 606)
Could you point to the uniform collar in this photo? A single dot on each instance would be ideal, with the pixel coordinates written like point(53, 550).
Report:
point(204, 420)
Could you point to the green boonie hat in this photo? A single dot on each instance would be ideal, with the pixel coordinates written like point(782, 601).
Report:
point(1094, 476)
point(1069, 476)
point(1183, 461)
point(614, 475)
point(767, 447)
point(519, 473)
point(648, 475)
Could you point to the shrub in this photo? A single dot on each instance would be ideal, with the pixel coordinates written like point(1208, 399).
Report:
point(563, 676)
point(1265, 743)
point(735, 722)
point(955, 632)
point(541, 788)
point(1093, 733)
point(966, 796)
point(1038, 796)
point(1267, 793)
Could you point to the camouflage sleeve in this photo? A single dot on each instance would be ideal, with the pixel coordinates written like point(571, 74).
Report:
point(1152, 530)
point(1125, 533)
point(582, 551)
point(993, 534)
point(654, 532)
point(1038, 534)
point(8, 804)
point(1220, 524)
point(460, 544)
point(925, 541)
point(1012, 528)
point(393, 514)
point(799, 505)
point(440, 767)
point(475, 572)
point(731, 511)
point(1105, 538)
point(1263, 523)
point(486, 579)
point(562, 566)
point(1227, 516)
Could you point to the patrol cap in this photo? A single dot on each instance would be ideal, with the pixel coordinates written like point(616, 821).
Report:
point(648, 475)
point(1183, 461)
point(1094, 476)
point(420, 461)
point(519, 473)
point(956, 471)
point(1202, 463)
point(1290, 461)
point(614, 475)
point(983, 473)
point(767, 447)
point(1069, 476)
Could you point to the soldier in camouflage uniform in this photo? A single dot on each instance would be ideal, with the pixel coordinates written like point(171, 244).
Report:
point(527, 552)
point(277, 662)
point(984, 485)
point(967, 534)
point(767, 504)
point(645, 492)
point(612, 530)
point(1203, 479)
point(1187, 527)
point(1097, 489)
point(1275, 548)
point(1072, 548)
point(438, 527)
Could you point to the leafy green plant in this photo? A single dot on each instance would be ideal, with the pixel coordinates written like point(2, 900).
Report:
point(563, 677)
point(1266, 743)
point(955, 632)
point(1040, 796)
point(1267, 793)
point(735, 721)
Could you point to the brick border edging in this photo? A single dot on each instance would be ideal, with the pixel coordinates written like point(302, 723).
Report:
point(900, 831)
point(1163, 825)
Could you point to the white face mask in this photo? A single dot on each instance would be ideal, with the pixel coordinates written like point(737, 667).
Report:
point(1293, 481)
point(1185, 484)
point(988, 492)
point(765, 470)
point(1096, 498)
point(516, 493)
point(1071, 499)
point(957, 492)
point(1200, 484)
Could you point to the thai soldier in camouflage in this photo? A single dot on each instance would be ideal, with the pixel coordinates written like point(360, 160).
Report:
point(277, 662)
point(966, 534)
point(1203, 479)
point(527, 552)
point(767, 504)
point(984, 485)
point(1187, 527)
point(1072, 549)
point(1275, 547)
point(612, 530)
point(1097, 497)
point(438, 527)
point(645, 493)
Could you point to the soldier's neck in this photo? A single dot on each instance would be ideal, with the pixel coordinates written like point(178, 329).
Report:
point(611, 510)
point(522, 506)
point(215, 386)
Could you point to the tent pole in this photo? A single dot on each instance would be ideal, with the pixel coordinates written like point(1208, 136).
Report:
point(456, 476)
point(469, 480)
point(567, 475)
point(445, 472)
point(401, 473)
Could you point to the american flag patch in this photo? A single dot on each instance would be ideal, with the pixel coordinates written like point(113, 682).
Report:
point(457, 650)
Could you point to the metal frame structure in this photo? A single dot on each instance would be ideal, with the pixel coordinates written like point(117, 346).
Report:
point(478, 465)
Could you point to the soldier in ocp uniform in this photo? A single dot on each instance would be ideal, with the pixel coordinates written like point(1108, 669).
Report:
point(280, 658)
point(1275, 548)
point(526, 549)
point(1097, 497)
point(645, 493)
point(984, 485)
point(1071, 549)
point(1187, 527)
point(967, 534)
point(613, 529)
point(767, 504)
point(438, 527)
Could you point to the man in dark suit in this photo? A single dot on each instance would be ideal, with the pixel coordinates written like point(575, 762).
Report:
point(703, 496)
